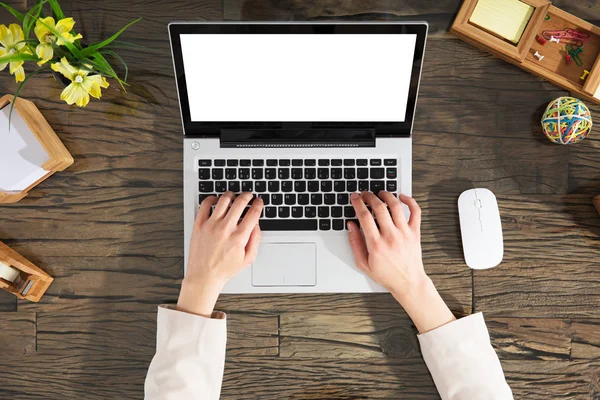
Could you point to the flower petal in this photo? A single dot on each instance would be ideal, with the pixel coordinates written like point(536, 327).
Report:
point(40, 29)
point(5, 36)
point(65, 25)
point(45, 52)
point(99, 80)
point(19, 74)
point(65, 68)
point(92, 88)
point(75, 93)
point(2, 54)
point(17, 33)
point(15, 65)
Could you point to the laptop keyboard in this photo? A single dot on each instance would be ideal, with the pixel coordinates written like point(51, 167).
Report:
point(300, 194)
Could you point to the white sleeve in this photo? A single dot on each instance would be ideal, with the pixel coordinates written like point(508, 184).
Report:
point(462, 362)
point(190, 356)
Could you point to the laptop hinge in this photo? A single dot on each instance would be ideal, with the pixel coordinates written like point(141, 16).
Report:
point(297, 138)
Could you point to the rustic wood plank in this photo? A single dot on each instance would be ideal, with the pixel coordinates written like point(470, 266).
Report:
point(17, 333)
point(96, 222)
point(586, 339)
point(8, 301)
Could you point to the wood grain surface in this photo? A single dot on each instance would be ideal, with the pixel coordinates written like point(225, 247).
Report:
point(109, 230)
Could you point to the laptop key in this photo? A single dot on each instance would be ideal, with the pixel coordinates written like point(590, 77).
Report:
point(310, 163)
point(338, 224)
point(300, 186)
point(349, 162)
point(218, 173)
point(204, 174)
point(206, 187)
point(323, 173)
point(274, 186)
point(296, 163)
point(391, 173)
point(337, 212)
point(313, 186)
point(329, 199)
point(260, 186)
point(303, 199)
point(266, 198)
point(244, 173)
point(316, 199)
point(287, 186)
point(336, 163)
point(339, 186)
point(230, 173)
point(270, 173)
point(220, 186)
point(352, 186)
point(232, 163)
point(323, 163)
point(257, 173)
point(234, 186)
point(297, 212)
point(389, 161)
point(271, 163)
point(349, 212)
point(363, 186)
point(343, 199)
point(284, 163)
point(376, 186)
point(296, 173)
point(323, 212)
point(375, 162)
point(277, 199)
point(391, 186)
point(362, 162)
point(204, 163)
point(288, 225)
point(326, 186)
point(310, 173)
point(377, 173)
point(310, 212)
point(324, 224)
point(349, 173)
point(336, 173)
point(362, 173)
point(258, 163)
point(283, 212)
point(247, 186)
point(357, 222)
point(219, 163)
point(284, 173)
point(245, 163)
point(270, 212)
point(289, 199)
point(203, 197)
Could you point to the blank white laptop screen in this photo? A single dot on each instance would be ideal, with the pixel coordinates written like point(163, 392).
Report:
point(299, 78)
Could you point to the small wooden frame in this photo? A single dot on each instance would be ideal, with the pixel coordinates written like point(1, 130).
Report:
point(553, 67)
point(33, 282)
point(60, 158)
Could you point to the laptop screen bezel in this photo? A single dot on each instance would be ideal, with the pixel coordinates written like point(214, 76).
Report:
point(213, 128)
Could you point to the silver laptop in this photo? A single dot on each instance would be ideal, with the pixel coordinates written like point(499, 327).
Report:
point(302, 115)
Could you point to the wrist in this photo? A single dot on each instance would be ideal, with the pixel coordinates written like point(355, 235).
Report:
point(199, 296)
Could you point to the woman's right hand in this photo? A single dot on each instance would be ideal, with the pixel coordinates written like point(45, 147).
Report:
point(391, 255)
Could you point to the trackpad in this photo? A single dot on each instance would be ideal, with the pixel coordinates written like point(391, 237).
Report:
point(285, 264)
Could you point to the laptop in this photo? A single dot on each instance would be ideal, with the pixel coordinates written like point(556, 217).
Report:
point(302, 115)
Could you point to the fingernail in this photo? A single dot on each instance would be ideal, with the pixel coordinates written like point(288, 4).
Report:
point(350, 227)
point(354, 196)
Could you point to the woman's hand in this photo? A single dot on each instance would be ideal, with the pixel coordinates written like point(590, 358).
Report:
point(220, 248)
point(391, 255)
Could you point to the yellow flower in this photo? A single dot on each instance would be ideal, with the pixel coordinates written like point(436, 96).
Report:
point(82, 85)
point(47, 38)
point(11, 42)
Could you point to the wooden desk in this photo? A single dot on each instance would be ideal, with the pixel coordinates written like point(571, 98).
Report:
point(109, 230)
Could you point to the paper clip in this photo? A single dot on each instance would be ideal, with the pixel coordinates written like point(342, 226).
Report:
point(574, 53)
point(567, 36)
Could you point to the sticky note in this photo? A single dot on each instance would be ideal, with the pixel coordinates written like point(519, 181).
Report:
point(505, 18)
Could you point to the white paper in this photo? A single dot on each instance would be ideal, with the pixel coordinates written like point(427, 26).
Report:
point(287, 77)
point(597, 94)
point(21, 155)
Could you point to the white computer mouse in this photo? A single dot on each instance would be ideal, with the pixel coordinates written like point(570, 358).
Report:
point(480, 228)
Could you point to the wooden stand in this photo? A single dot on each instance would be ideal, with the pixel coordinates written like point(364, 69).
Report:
point(33, 281)
point(60, 158)
point(553, 67)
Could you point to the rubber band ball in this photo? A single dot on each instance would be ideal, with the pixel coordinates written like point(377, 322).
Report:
point(567, 120)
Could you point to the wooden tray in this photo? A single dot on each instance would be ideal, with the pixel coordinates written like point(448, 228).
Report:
point(33, 283)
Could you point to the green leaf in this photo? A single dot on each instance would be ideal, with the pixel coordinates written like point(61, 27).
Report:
point(117, 44)
point(90, 49)
point(18, 57)
point(118, 57)
point(74, 50)
point(30, 18)
point(14, 12)
point(12, 105)
point(58, 12)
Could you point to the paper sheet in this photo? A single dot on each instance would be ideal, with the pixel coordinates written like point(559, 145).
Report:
point(21, 155)
point(505, 18)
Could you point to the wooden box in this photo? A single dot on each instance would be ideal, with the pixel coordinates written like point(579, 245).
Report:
point(553, 66)
point(58, 157)
point(32, 282)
